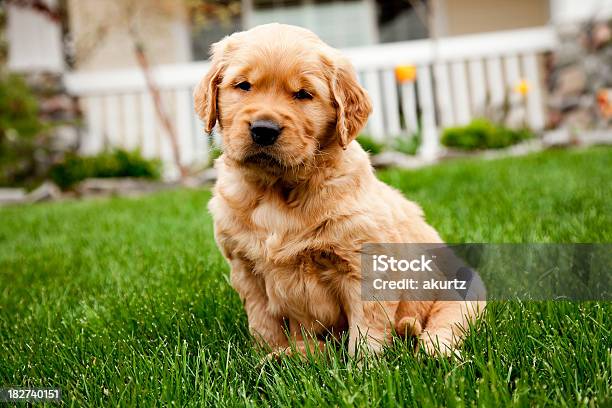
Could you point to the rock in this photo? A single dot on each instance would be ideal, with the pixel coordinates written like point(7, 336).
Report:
point(58, 106)
point(45, 192)
point(568, 54)
point(569, 30)
point(66, 138)
point(565, 137)
point(209, 175)
point(571, 81)
point(554, 118)
point(557, 138)
point(204, 178)
point(601, 34)
point(579, 119)
point(452, 153)
point(578, 68)
point(397, 159)
point(120, 187)
point(520, 149)
point(595, 137)
point(563, 103)
point(12, 196)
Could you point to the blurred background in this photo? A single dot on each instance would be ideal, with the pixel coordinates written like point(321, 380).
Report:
point(94, 90)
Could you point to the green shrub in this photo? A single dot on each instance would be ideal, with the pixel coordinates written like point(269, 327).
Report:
point(370, 145)
point(20, 128)
point(71, 170)
point(214, 153)
point(407, 145)
point(116, 163)
point(482, 134)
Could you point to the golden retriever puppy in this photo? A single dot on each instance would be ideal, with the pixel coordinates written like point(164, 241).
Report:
point(296, 196)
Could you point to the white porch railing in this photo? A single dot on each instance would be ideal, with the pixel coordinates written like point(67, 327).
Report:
point(455, 78)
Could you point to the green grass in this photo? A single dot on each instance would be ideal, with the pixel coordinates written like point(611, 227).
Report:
point(127, 301)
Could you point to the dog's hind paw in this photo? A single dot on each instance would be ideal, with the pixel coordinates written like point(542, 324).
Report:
point(439, 345)
point(409, 326)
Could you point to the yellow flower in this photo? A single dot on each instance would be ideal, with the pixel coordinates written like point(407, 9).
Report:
point(405, 73)
point(522, 87)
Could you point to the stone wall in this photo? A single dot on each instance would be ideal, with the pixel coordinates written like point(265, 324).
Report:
point(61, 114)
point(579, 77)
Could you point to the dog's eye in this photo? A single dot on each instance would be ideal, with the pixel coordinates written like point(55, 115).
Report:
point(244, 85)
point(302, 94)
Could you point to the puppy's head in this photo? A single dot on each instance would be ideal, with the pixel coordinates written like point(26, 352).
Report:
point(280, 98)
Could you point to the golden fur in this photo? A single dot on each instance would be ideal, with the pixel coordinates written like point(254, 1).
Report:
point(291, 218)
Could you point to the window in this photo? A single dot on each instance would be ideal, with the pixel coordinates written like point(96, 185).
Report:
point(340, 23)
point(210, 22)
point(398, 21)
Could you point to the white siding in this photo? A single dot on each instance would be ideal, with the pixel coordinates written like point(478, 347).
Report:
point(35, 41)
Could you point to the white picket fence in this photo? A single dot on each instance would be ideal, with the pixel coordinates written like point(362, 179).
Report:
point(455, 78)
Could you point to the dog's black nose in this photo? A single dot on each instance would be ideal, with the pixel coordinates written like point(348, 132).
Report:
point(265, 132)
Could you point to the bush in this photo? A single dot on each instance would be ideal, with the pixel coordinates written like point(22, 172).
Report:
point(482, 134)
point(213, 154)
point(116, 163)
point(20, 128)
point(407, 144)
point(370, 145)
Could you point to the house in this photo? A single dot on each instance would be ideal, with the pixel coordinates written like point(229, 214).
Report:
point(172, 37)
point(466, 55)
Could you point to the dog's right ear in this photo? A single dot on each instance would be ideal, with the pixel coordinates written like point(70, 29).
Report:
point(352, 102)
point(205, 94)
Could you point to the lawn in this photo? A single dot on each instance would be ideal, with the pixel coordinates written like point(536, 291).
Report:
point(126, 301)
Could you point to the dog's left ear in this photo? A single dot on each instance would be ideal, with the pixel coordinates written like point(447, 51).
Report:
point(352, 102)
point(205, 94)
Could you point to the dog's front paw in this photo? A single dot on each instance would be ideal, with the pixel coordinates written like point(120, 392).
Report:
point(277, 354)
point(365, 345)
point(299, 348)
point(409, 326)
